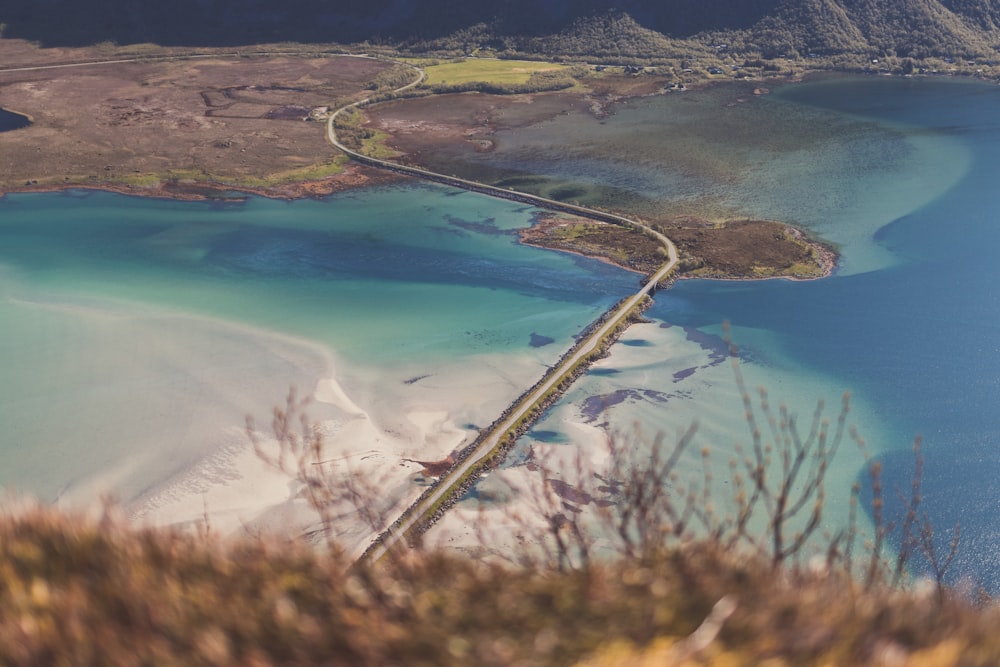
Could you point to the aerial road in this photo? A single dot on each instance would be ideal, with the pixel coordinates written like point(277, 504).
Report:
point(451, 483)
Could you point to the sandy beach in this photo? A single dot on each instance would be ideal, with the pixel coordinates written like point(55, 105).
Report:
point(235, 490)
point(639, 396)
point(370, 433)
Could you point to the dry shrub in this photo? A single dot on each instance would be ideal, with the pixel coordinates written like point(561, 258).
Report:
point(689, 584)
point(77, 591)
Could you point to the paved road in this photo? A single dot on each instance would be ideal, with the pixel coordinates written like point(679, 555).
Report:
point(451, 480)
point(449, 483)
point(190, 56)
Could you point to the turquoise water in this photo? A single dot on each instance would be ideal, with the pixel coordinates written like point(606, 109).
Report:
point(397, 271)
point(137, 333)
point(133, 328)
point(920, 337)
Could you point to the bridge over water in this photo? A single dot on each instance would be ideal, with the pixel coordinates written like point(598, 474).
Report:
point(494, 441)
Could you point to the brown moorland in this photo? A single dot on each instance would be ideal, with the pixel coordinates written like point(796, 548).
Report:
point(750, 249)
point(176, 126)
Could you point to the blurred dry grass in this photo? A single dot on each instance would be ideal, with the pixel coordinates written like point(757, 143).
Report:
point(78, 592)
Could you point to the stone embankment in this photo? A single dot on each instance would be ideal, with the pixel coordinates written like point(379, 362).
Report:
point(511, 436)
point(499, 453)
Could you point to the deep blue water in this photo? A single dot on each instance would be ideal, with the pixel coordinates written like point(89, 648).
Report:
point(12, 121)
point(921, 338)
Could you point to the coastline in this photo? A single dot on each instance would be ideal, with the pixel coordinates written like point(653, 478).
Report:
point(357, 177)
point(533, 236)
point(375, 428)
point(826, 256)
point(283, 508)
point(353, 177)
point(540, 235)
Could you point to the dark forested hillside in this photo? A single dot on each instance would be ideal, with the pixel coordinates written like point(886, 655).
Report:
point(983, 13)
point(892, 27)
point(79, 22)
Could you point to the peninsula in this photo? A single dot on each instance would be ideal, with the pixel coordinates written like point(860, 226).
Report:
point(251, 122)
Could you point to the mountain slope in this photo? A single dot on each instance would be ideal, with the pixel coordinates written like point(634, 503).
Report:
point(900, 27)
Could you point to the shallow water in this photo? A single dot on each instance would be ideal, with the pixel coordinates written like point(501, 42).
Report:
point(900, 175)
point(727, 153)
point(137, 333)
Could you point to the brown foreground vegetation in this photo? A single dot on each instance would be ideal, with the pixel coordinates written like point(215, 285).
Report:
point(75, 591)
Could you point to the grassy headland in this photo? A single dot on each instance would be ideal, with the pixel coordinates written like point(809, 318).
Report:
point(746, 249)
point(171, 123)
point(475, 70)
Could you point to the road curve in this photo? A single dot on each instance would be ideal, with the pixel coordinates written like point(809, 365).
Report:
point(449, 483)
point(492, 190)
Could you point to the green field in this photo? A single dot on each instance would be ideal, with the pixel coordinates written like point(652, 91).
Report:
point(490, 71)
